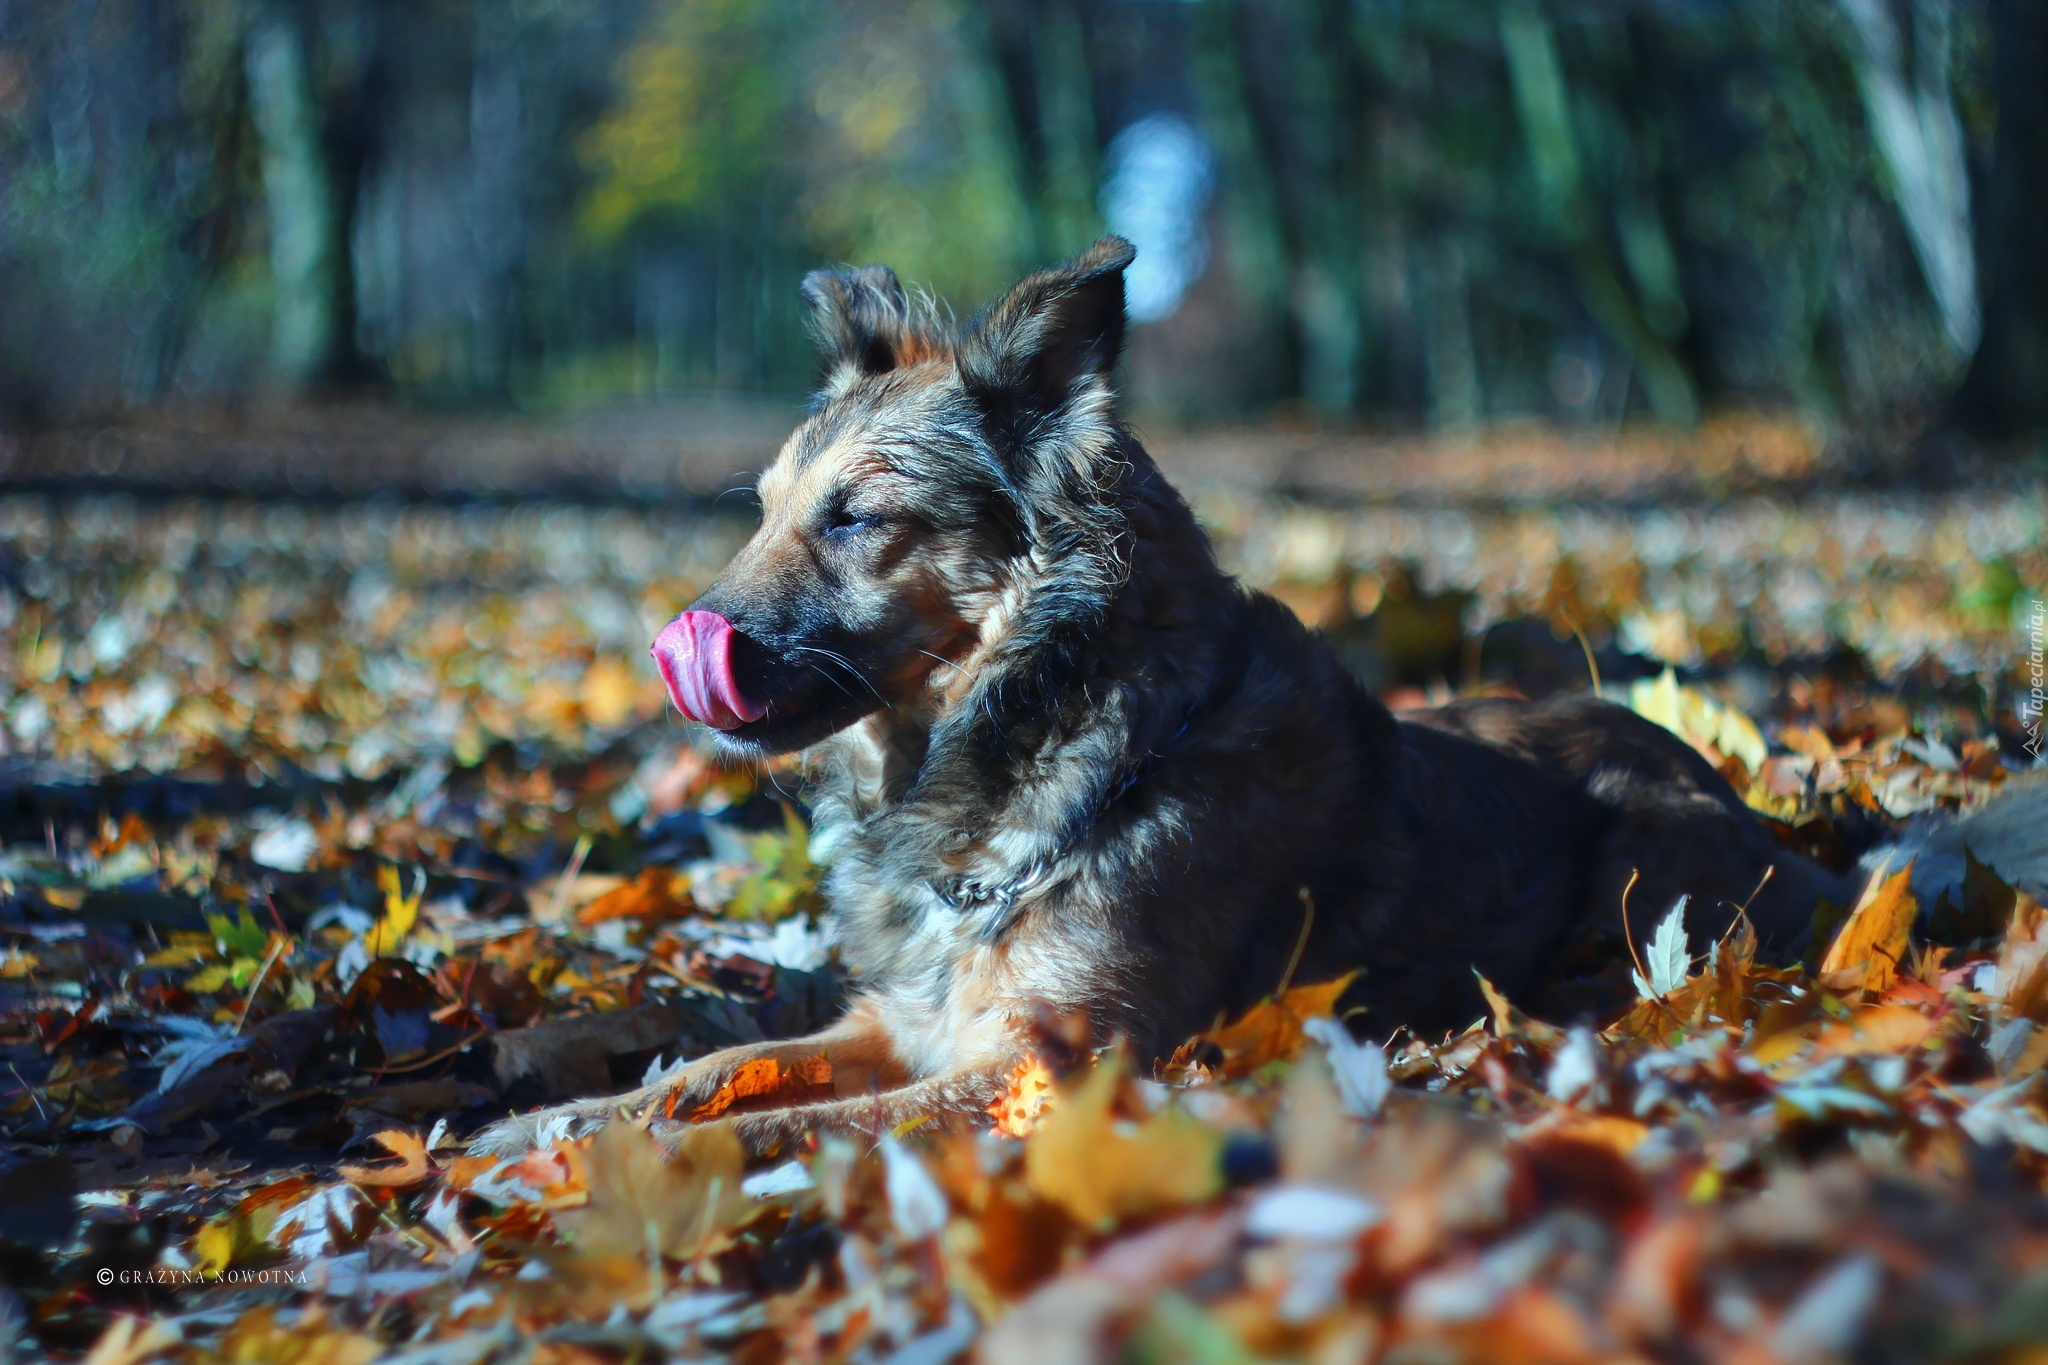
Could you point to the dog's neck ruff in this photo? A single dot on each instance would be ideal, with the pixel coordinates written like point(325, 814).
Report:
point(1002, 903)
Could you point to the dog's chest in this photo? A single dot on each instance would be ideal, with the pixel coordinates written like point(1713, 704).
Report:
point(948, 997)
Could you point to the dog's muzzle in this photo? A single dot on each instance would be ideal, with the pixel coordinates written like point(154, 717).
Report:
point(694, 654)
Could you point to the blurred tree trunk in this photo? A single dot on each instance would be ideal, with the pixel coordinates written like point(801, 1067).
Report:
point(1040, 52)
point(1542, 100)
point(497, 223)
point(2005, 393)
point(1251, 209)
point(1913, 121)
point(307, 243)
point(1286, 132)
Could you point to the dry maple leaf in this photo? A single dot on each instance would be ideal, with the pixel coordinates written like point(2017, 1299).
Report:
point(1102, 1171)
point(658, 893)
point(765, 1079)
point(1270, 1031)
point(412, 1166)
point(643, 1200)
point(1874, 937)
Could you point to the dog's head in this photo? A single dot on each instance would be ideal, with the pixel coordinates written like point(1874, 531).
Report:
point(943, 479)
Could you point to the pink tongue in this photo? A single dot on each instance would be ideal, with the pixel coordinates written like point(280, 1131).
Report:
point(694, 654)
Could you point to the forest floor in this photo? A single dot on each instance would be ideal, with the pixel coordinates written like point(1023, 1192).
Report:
point(332, 827)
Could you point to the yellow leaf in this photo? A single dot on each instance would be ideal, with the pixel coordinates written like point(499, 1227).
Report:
point(1874, 937)
point(17, 963)
point(400, 912)
point(177, 955)
point(1101, 1171)
point(1738, 737)
point(214, 1248)
point(1706, 724)
point(1878, 1030)
point(227, 1242)
point(641, 1200)
point(211, 979)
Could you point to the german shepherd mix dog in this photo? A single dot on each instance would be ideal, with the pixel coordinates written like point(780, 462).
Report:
point(1065, 760)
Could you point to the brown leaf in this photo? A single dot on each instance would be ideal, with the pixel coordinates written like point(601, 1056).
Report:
point(1874, 937)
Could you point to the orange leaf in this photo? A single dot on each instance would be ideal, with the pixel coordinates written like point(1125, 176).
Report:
point(1874, 938)
point(1017, 1112)
point(1270, 1031)
point(656, 894)
point(283, 1191)
point(2023, 959)
point(412, 1167)
point(1878, 1030)
point(764, 1078)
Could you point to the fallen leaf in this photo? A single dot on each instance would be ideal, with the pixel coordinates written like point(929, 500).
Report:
point(765, 1079)
point(1877, 1030)
point(400, 912)
point(1667, 959)
point(642, 1200)
point(658, 893)
point(1018, 1113)
point(1271, 1030)
point(1873, 940)
point(412, 1166)
point(1102, 1171)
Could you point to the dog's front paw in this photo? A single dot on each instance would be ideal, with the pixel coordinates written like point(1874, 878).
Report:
point(523, 1133)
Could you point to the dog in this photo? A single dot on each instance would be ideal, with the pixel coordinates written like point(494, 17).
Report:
point(1063, 760)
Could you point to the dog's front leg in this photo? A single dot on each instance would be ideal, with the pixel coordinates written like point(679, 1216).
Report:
point(856, 1047)
point(966, 1093)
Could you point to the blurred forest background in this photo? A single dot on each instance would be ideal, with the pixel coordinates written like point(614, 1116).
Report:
point(1422, 213)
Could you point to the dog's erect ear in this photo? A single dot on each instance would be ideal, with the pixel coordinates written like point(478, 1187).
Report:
point(860, 318)
point(1058, 329)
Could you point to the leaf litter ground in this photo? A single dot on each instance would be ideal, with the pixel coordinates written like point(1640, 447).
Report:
point(332, 833)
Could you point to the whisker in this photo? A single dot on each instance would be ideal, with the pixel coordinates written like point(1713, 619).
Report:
point(965, 673)
point(846, 664)
point(831, 679)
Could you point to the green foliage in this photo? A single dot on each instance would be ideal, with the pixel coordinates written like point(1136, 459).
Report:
point(241, 937)
point(785, 882)
point(701, 97)
point(861, 133)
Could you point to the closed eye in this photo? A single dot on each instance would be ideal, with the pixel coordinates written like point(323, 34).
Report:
point(844, 524)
